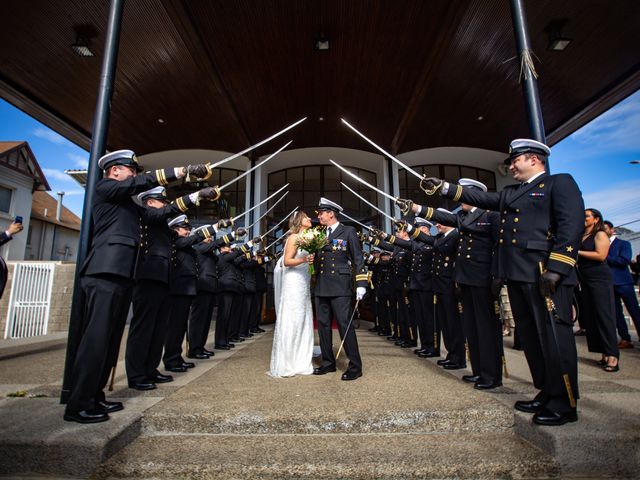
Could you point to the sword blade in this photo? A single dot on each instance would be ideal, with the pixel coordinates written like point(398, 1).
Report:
point(354, 176)
point(234, 180)
point(279, 223)
point(267, 212)
point(367, 201)
point(382, 150)
point(248, 149)
point(265, 200)
point(276, 240)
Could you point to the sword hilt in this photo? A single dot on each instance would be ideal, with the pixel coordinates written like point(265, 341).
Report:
point(432, 190)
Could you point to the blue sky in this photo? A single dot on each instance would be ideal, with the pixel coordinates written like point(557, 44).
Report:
point(597, 155)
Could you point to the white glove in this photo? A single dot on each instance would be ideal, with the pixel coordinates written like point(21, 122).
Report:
point(360, 291)
point(409, 227)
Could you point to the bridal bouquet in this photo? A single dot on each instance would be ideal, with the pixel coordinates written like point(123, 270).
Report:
point(312, 240)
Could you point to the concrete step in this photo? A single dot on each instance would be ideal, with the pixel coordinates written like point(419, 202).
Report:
point(398, 393)
point(330, 456)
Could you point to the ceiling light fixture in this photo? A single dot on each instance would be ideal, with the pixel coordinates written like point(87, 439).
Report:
point(81, 47)
point(557, 42)
point(321, 43)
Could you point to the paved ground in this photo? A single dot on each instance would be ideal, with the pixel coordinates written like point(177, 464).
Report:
point(608, 407)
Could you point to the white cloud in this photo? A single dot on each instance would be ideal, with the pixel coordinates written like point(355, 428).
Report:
point(79, 161)
point(57, 175)
point(50, 136)
point(619, 203)
point(614, 130)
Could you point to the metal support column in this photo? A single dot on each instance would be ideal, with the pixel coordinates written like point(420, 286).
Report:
point(98, 145)
point(530, 84)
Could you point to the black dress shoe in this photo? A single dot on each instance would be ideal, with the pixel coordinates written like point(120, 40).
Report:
point(208, 352)
point(531, 406)
point(198, 356)
point(222, 347)
point(143, 385)
point(323, 370)
point(373, 329)
point(159, 378)
point(398, 342)
point(231, 345)
point(407, 344)
point(392, 338)
point(418, 350)
point(443, 361)
point(454, 366)
point(188, 364)
point(547, 417)
point(109, 407)
point(236, 339)
point(176, 369)
point(487, 385)
point(85, 416)
point(259, 330)
point(383, 333)
point(428, 354)
point(351, 375)
point(471, 378)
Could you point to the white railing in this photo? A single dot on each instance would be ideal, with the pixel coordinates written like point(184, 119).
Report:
point(30, 300)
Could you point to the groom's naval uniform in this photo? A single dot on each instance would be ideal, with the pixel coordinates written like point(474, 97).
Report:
point(334, 291)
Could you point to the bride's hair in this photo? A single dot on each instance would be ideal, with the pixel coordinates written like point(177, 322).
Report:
point(295, 222)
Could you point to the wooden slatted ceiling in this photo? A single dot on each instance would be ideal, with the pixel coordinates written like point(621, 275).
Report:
point(410, 73)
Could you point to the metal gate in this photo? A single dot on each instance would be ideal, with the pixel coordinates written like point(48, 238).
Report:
point(30, 300)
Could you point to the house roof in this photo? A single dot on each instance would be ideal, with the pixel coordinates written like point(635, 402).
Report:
point(18, 156)
point(43, 202)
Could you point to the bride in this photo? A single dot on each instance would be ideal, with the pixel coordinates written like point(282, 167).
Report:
point(293, 336)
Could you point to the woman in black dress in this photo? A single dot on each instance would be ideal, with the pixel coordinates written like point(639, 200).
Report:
point(596, 291)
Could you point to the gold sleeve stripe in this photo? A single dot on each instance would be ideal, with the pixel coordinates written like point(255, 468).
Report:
point(362, 277)
point(181, 205)
point(377, 242)
point(558, 257)
point(226, 239)
point(416, 232)
point(429, 213)
point(206, 232)
point(162, 178)
point(243, 248)
point(458, 194)
point(376, 261)
point(392, 239)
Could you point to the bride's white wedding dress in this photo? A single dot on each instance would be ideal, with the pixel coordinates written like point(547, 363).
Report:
point(292, 349)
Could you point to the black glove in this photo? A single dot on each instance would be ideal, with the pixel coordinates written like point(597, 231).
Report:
point(379, 233)
point(256, 240)
point(199, 171)
point(430, 185)
point(404, 205)
point(547, 283)
point(496, 287)
point(225, 223)
point(210, 193)
point(401, 225)
point(240, 232)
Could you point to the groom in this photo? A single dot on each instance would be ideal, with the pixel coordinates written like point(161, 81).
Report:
point(334, 289)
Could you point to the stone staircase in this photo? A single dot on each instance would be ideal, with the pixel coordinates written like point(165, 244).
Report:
point(405, 418)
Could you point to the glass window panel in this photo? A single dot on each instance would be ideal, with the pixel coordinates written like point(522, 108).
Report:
point(431, 171)
point(402, 179)
point(293, 199)
point(312, 176)
point(5, 199)
point(488, 178)
point(350, 202)
point(451, 172)
point(311, 199)
point(367, 176)
point(331, 178)
point(469, 172)
point(276, 180)
point(227, 174)
point(295, 179)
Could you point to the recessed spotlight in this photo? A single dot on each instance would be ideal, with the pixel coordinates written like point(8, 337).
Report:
point(161, 120)
point(480, 118)
point(321, 119)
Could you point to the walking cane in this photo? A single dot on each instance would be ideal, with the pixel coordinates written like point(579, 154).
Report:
point(113, 378)
point(347, 330)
